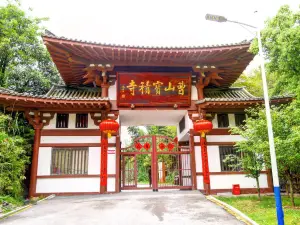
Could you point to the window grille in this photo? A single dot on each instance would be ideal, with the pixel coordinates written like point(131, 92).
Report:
point(69, 161)
point(223, 120)
point(182, 124)
point(224, 152)
point(62, 120)
point(81, 121)
point(240, 119)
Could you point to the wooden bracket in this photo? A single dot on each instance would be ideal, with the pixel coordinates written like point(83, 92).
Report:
point(38, 119)
point(113, 115)
point(205, 79)
point(96, 118)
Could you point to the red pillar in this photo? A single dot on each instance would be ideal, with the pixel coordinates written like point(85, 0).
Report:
point(205, 166)
point(103, 164)
point(154, 165)
point(193, 161)
point(34, 160)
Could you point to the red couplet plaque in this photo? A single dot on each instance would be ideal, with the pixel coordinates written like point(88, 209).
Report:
point(154, 89)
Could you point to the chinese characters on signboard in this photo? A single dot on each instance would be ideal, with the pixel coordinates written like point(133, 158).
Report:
point(154, 89)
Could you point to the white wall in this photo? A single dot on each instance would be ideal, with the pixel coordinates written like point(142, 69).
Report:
point(68, 185)
point(200, 183)
point(94, 160)
point(198, 159)
point(44, 161)
point(112, 92)
point(226, 181)
point(111, 184)
point(70, 139)
point(213, 159)
point(184, 135)
point(194, 94)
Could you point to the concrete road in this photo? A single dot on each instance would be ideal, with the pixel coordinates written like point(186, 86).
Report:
point(176, 207)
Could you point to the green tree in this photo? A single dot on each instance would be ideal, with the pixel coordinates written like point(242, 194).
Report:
point(169, 131)
point(14, 154)
point(251, 162)
point(135, 132)
point(25, 64)
point(281, 46)
point(286, 128)
point(253, 82)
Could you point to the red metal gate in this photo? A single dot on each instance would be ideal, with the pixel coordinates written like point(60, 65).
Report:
point(155, 162)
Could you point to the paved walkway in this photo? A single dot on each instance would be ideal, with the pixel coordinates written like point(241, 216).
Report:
point(176, 207)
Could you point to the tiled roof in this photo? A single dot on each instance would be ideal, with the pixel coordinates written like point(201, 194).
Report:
point(62, 93)
point(51, 35)
point(75, 93)
point(231, 94)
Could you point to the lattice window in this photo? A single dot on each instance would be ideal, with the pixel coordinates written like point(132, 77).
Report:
point(81, 120)
point(223, 120)
point(182, 124)
point(69, 161)
point(224, 152)
point(62, 120)
point(240, 119)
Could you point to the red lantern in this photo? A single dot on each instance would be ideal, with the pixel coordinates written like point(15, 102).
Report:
point(203, 126)
point(109, 127)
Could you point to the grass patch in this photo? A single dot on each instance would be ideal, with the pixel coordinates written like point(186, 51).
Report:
point(263, 212)
point(13, 203)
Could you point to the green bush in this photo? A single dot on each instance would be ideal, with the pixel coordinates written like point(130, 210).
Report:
point(13, 159)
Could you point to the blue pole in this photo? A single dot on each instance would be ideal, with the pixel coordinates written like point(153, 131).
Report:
point(279, 211)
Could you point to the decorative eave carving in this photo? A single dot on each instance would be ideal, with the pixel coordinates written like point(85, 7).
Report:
point(38, 119)
point(205, 79)
point(98, 117)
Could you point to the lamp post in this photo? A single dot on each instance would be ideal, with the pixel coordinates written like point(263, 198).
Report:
point(279, 211)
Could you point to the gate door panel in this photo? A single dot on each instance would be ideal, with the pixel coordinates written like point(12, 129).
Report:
point(174, 168)
point(155, 162)
point(141, 150)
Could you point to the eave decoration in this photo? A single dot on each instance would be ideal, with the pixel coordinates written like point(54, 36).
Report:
point(205, 79)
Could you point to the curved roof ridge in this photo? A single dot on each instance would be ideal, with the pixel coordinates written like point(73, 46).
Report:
point(211, 89)
point(51, 35)
point(248, 93)
point(59, 93)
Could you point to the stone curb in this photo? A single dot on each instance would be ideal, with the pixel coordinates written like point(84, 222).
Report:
point(235, 212)
point(20, 209)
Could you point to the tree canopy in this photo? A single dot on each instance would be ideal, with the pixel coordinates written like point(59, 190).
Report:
point(253, 82)
point(281, 46)
point(25, 64)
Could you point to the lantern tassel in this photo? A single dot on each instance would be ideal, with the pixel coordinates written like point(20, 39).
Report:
point(108, 135)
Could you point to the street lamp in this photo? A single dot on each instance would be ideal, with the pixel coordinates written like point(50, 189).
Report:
point(279, 211)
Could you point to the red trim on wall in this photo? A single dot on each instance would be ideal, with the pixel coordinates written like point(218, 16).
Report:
point(70, 132)
point(217, 143)
point(73, 176)
point(228, 173)
point(66, 193)
point(216, 131)
point(75, 145)
point(243, 190)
